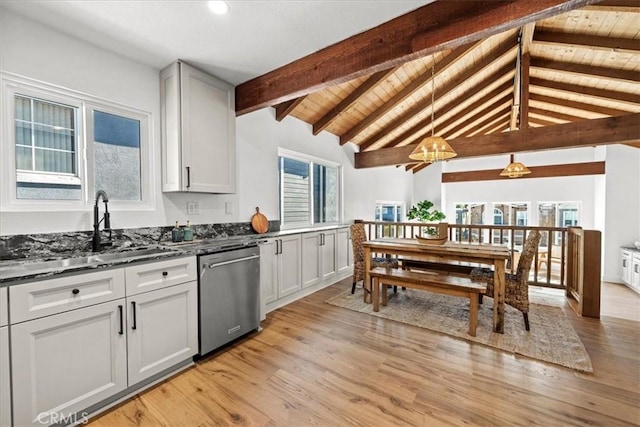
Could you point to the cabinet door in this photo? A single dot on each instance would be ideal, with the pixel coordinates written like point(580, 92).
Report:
point(162, 329)
point(268, 274)
point(289, 277)
point(311, 264)
point(5, 391)
point(627, 262)
point(208, 132)
point(635, 272)
point(67, 362)
point(4, 312)
point(328, 258)
point(343, 250)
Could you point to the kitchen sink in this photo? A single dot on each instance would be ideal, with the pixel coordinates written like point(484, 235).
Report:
point(133, 254)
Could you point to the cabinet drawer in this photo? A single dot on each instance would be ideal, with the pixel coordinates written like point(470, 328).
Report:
point(47, 297)
point(3, 307)
point(158, 275)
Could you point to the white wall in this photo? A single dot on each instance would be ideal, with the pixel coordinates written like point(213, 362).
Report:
point(622, 206)
point(259, 135)
point(38, 52)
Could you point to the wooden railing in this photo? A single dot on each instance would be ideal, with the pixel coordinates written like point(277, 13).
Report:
point(549, 264)
point(583, 271)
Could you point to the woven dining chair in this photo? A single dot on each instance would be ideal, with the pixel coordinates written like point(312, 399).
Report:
point(358, 237)
point(516, 285)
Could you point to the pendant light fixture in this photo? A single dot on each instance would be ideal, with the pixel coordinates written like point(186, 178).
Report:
point(515, 169)
point(433, 148)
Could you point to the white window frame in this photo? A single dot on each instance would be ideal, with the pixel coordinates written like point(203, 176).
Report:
point(396, 204)
point(12, 85)
point(282, 152)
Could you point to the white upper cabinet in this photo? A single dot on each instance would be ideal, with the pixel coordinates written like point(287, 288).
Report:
point(198, 131)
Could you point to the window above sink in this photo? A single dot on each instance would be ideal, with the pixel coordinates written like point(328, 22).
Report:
point(61, 145)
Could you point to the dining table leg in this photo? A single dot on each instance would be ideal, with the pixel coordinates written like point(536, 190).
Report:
point(366, 284)
point(498, 296)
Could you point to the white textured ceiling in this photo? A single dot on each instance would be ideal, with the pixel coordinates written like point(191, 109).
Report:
point(253, 38)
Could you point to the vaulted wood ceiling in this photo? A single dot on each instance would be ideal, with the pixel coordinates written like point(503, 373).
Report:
point(570, 68)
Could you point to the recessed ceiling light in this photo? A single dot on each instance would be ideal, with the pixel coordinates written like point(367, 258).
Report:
point(218, 7)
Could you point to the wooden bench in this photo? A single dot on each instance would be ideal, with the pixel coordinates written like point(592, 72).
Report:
point(453, 267)
point(433, 282)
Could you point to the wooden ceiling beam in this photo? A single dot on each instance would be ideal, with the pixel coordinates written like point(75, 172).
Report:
point(569, 169)
point(284, 109)
point(351, 99)
point(417, 168)
point(489, 124)
point(609, 130)
point(556, 115)
point(449, 86)
point(624, 6)
point(429, 29)
point(586, 90)
point(502, 104)
point(527, 36)
point(586, 70)
point(587, 41)
point(472, 114)
point(541, 122)
point(407, 91)
point(426, 124)
point(523, 118)
point(607, 111)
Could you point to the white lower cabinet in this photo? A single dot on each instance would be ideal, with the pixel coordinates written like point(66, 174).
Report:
point(311, 264)
point(280, 269)
point(162, 329)
point(71, 358)
point(296, 265)
point(5, 390)
point(67, 362)
point(627, 265)
point(318, 257)
point(4, 312)
point(635, 271)
point(344, 256)
point(288, 265)
point(268, 274)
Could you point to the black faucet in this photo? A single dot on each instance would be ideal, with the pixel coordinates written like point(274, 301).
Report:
point(97, 245)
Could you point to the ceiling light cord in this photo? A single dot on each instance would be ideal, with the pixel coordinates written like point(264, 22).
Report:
point(433, 148)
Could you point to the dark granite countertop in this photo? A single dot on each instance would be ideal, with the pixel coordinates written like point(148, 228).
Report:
point(136, 247)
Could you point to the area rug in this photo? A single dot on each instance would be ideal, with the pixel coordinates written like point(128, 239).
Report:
point(551, 338)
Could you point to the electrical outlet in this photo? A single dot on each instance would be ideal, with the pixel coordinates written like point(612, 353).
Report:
point(193, 208)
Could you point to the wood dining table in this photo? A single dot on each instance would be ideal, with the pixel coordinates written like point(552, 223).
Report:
point(491, 255)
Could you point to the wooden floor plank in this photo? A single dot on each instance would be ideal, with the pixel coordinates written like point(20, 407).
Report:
point(317, 364)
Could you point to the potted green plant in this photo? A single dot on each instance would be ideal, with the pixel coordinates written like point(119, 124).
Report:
point(423, 213)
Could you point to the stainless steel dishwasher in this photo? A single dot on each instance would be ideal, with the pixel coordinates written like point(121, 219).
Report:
point(229, 295)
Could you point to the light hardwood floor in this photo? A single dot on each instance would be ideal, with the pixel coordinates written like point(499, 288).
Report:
point(316, 364)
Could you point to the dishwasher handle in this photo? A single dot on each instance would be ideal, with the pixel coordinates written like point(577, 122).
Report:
point(233, 261)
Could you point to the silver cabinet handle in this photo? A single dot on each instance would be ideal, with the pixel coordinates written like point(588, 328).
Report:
point(233, 261)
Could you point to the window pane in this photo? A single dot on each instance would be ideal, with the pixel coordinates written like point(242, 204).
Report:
point(325, 194)
point(117, 156)
point(23, 158)
point(46, 150)
point(295, 207)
